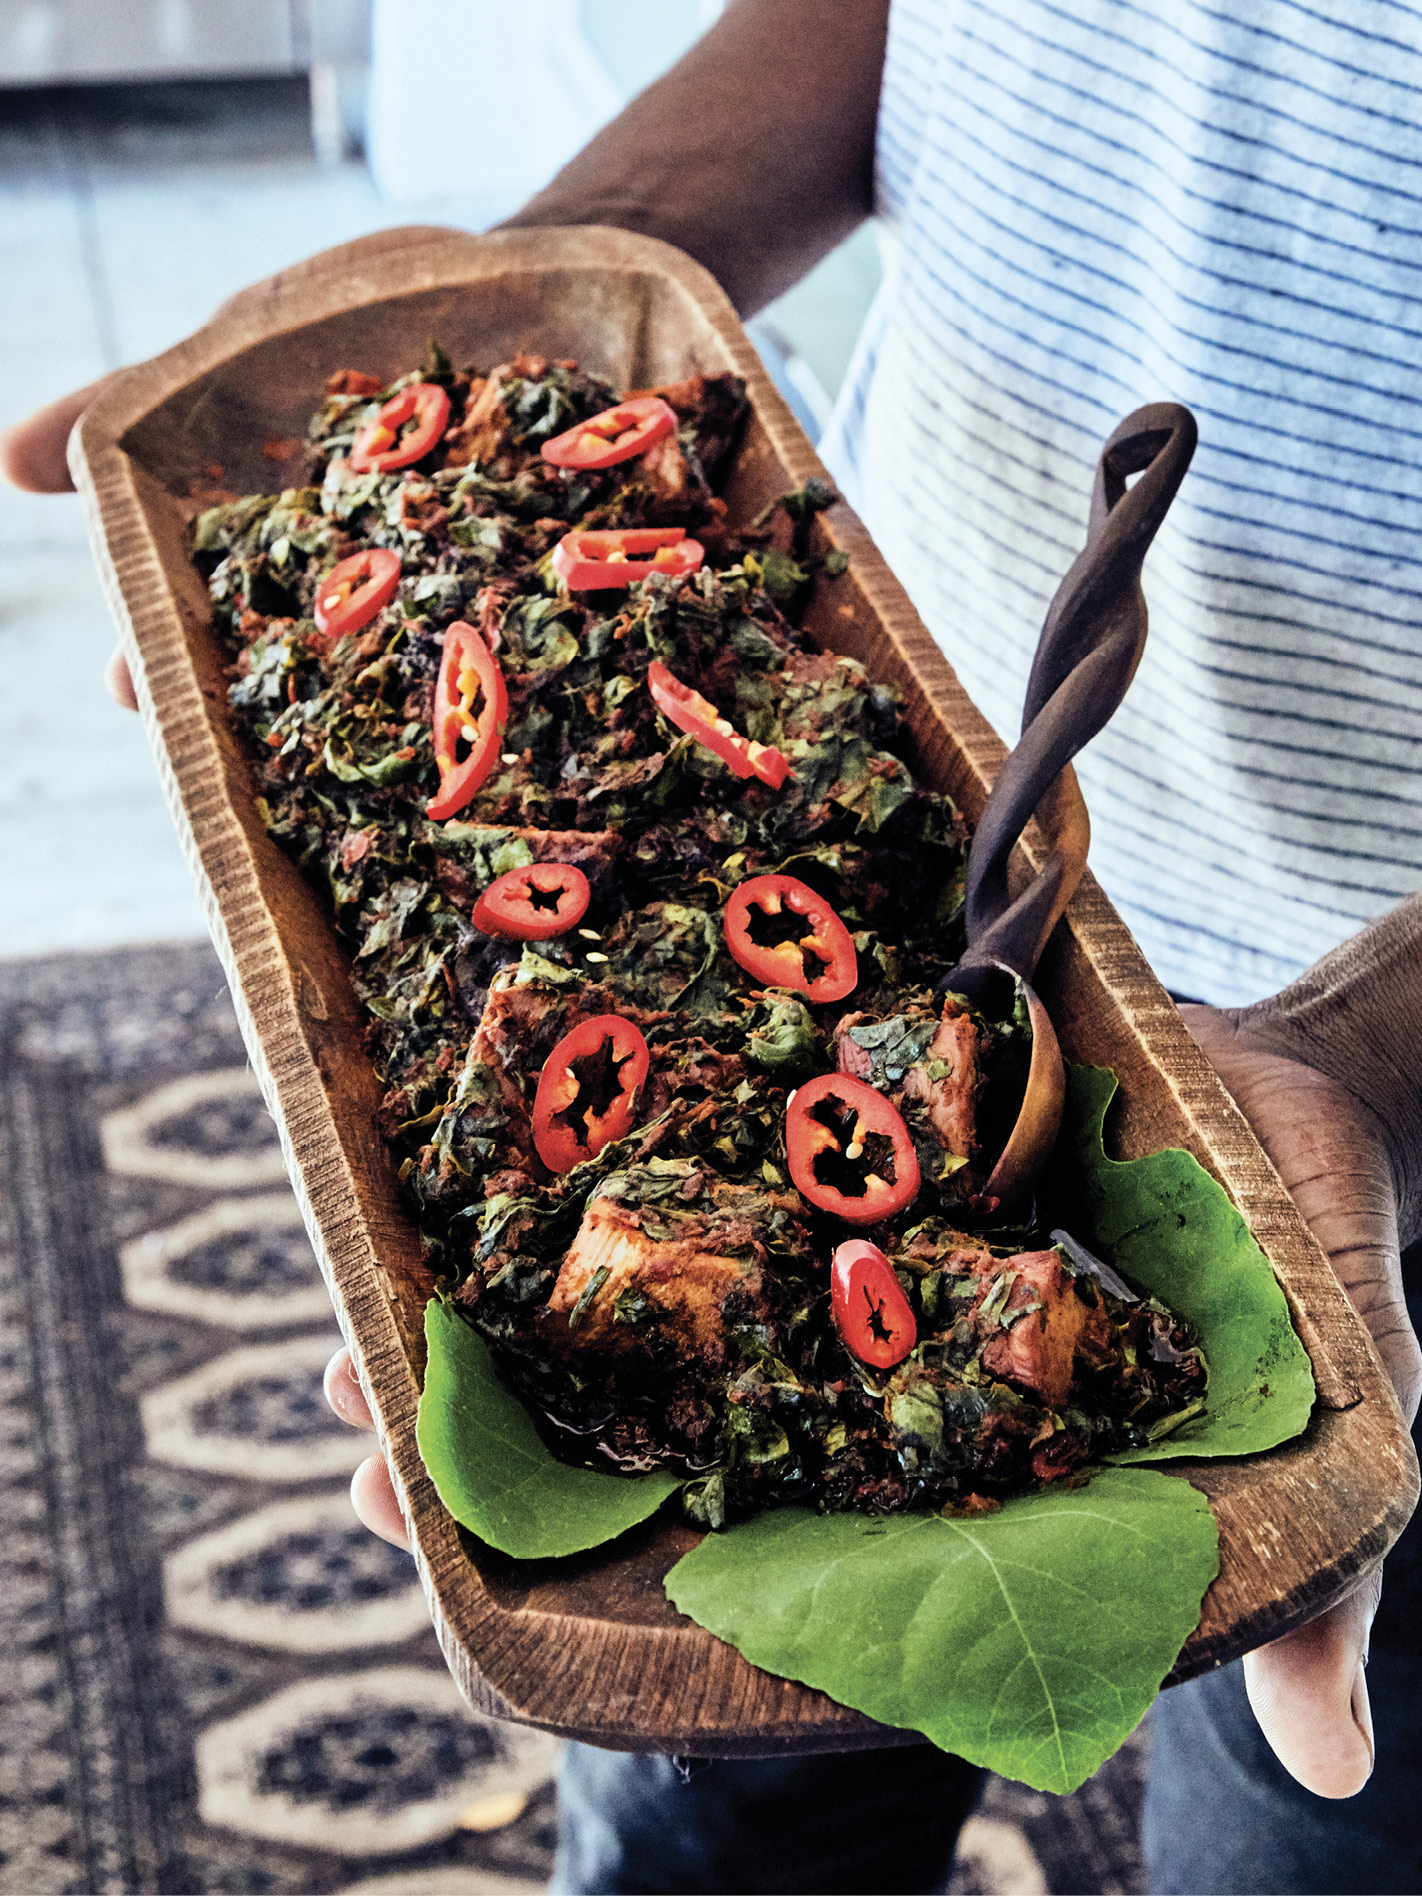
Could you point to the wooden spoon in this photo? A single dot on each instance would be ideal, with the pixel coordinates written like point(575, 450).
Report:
point(1091, 644)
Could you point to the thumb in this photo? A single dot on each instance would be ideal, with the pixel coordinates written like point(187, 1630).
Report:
point(1309, 1693)
point(32, 452)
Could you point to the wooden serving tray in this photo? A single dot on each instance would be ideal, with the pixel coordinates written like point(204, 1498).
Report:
point(590, 1646)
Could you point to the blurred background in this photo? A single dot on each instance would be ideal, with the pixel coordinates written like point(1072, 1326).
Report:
point(155, 156)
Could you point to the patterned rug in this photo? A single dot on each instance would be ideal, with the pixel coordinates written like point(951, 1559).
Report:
point(215, 1679)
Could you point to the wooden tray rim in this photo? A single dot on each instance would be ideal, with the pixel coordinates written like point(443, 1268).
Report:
point(788, 1715)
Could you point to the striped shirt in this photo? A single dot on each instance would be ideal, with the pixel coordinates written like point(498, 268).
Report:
point(1100, 203)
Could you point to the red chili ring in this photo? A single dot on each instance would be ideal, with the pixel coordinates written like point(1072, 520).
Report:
point(815, 1146)
point(783, 963)
point(871, 1312)
point(467, 672)
point(594, 561)
point(534, 903)
point(380, 447)
point(615, 435)
point(354, 590)
point(587, 1091)
point(699, 718)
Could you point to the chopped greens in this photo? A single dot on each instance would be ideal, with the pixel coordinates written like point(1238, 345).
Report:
point(665, 1300)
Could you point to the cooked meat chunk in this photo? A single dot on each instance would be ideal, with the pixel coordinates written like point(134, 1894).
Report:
point(1037, 1353)
point(667, 476)
point(523, 1020)
point(693, 1296)
point(713, 404)
point(468, 863)
point(517, 1019)
point(880, 1051)
point(481, 435)
point(917, 1060)
point(951, 1098)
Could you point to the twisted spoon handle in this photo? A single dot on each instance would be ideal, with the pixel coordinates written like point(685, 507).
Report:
point(1090, 646)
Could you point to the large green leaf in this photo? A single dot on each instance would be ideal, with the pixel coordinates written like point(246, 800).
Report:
point(492, 1469)
point(1030, 1641)
point(1170, 1229)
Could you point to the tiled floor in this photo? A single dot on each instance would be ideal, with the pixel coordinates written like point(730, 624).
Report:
point(126, 215)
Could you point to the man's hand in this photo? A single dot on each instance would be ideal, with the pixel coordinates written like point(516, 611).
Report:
point(372, 1490)
point(1308, 1689)
point(32, 452)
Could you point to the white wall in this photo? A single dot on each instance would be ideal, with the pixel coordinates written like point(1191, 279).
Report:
point(481, 102)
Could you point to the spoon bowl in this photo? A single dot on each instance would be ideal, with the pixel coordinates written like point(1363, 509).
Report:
point(1039, 1116)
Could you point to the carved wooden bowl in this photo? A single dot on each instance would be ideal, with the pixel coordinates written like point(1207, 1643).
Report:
point(590, 1646)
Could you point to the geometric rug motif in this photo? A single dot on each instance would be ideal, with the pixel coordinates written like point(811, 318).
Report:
point(216, 1680)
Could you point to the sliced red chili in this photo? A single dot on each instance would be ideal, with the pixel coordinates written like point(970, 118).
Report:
point(354, 591)
point(404, 431)
point(533, 904)
point(586, 562)
point(871, 1312)
point(353, 382)
point(587, 1091)
point(696, 715)
point(849, 1151)
point(787, 936)
point(470, 716)
point(614, 435)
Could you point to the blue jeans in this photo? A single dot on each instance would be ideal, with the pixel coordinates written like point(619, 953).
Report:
point(857, 1821)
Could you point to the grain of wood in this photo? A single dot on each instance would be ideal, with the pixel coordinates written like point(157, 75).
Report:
point(591, 1647)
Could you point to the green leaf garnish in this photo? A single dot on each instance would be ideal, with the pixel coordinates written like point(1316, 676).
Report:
point(494, 1472)
point(1030, 1641)
point(1173, 1232)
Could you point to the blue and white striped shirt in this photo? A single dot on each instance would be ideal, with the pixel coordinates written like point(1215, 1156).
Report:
point(1107, 202)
